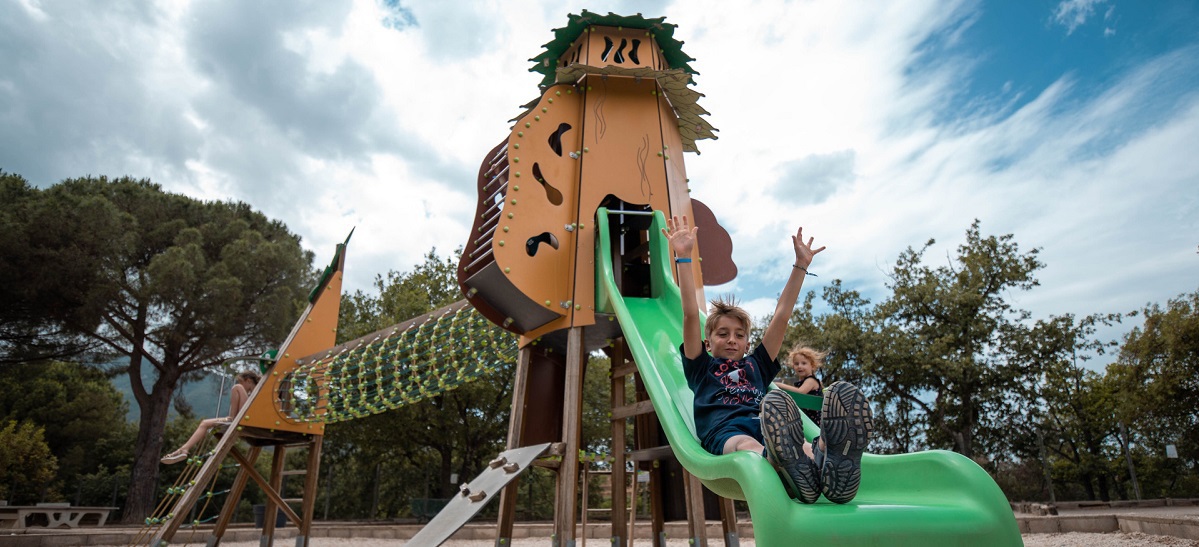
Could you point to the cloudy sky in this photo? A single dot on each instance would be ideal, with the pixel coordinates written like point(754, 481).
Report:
point(876, 125)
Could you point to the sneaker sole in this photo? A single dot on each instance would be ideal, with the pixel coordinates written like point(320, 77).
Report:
point(847, 423)
point(780, 416)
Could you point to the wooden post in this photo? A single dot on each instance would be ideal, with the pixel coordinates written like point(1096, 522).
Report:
point(728, 521)
point(235, 492)
point(507, 516)
point(310, 486)
point(572, 412)
point(693, 491)
point(617, 358)
point(272, 508)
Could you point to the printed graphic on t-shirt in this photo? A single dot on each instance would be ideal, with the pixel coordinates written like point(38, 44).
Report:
point(733, 377)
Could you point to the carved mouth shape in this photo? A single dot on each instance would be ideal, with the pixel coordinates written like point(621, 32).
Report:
point(534, 243)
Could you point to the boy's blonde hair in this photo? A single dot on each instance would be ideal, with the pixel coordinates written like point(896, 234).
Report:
point(816, 357)
point(722, 308)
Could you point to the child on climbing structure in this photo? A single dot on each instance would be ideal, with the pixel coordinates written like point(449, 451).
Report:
point(731, 388)
point(804, 361)
point(237, 399)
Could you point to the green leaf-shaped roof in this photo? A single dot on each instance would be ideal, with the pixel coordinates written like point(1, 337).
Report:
point(663, 32)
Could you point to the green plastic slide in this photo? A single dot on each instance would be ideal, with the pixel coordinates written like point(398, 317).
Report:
point(936, 498)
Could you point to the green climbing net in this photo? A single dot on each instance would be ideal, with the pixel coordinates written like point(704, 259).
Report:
point(397, 367)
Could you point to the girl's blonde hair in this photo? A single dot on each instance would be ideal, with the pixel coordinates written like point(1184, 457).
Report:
point(813, 355)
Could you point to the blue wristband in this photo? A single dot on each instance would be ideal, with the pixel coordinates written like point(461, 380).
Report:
point(682, 260)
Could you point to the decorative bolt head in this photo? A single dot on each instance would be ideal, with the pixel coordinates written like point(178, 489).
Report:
point(544, 110)
point(516, 146)
point(505, 229)
point(528, 125)
point(520, 133)
point(518, 174)
point(585, 149)
point(516, 188)
point(514, 202)
point(578, 307)
point(536, 118)
point(558, 93)
point(547, 303)
point(501, 243)
point(507, 270)
point(659, 154)
point(517, 160)
point(510, 215)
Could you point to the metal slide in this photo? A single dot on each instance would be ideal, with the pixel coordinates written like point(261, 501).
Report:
point(935, 497)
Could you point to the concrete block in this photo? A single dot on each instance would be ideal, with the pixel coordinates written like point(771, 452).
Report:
point(1096, 524)
point(1043, 526)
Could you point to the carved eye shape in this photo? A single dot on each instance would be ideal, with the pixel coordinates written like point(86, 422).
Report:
point(555, 139)
point(633, 52)
point(607, 49)
point(551, 193)
point(534, 243)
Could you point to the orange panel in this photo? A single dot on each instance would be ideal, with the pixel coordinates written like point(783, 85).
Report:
point(627, 48)
point(541, 203)
point(315, 331)
point(624, 157)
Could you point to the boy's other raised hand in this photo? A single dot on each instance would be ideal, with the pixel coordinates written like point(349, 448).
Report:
point(681, 237)
point(803, 251)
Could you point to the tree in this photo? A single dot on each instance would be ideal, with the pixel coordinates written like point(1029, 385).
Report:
point(1072, 406)
point(171, 285)
point(45, 271)
point(82, 414)
point(1158, 375)
point(944, 330)
point(26, 465)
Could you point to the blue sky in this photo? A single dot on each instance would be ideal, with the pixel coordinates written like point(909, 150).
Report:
point(875, 125)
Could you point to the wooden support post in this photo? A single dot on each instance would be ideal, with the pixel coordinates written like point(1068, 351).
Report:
point(272, 506)
point(235, 492)
point(507, 516)
point(566, 509)
point(693, 491)
point(617, 358)
point(310, 486)
point(728, 521)
point(657, 512)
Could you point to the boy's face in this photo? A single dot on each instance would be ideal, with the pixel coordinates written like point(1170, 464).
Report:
point(728, 340)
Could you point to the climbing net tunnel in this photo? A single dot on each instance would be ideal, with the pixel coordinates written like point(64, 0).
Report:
point(400, 365)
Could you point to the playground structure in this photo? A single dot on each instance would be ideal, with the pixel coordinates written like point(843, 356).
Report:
point(566, 253)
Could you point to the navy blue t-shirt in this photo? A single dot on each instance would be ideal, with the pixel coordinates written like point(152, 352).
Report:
point(728, 394)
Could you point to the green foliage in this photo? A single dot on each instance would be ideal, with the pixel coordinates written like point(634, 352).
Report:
point(155, 279)
point(26, 465)
point(1157, 380)
point(81, 412)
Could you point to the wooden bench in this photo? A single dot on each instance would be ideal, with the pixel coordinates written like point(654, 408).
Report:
point(52, 515)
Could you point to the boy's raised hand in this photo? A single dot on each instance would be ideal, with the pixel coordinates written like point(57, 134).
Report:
point(681, 237)
point(803, 251)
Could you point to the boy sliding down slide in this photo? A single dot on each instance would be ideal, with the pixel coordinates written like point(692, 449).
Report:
point(731, 388)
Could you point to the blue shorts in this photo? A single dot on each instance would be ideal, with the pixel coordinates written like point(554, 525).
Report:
point(737, 426)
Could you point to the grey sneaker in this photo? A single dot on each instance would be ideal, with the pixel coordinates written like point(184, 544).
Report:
point(782, 428)
point(846, 425)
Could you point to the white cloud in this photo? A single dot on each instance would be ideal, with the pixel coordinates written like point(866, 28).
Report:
point(328, 119)
point(1074, 13)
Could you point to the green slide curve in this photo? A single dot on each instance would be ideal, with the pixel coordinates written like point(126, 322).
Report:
point(927, 498)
